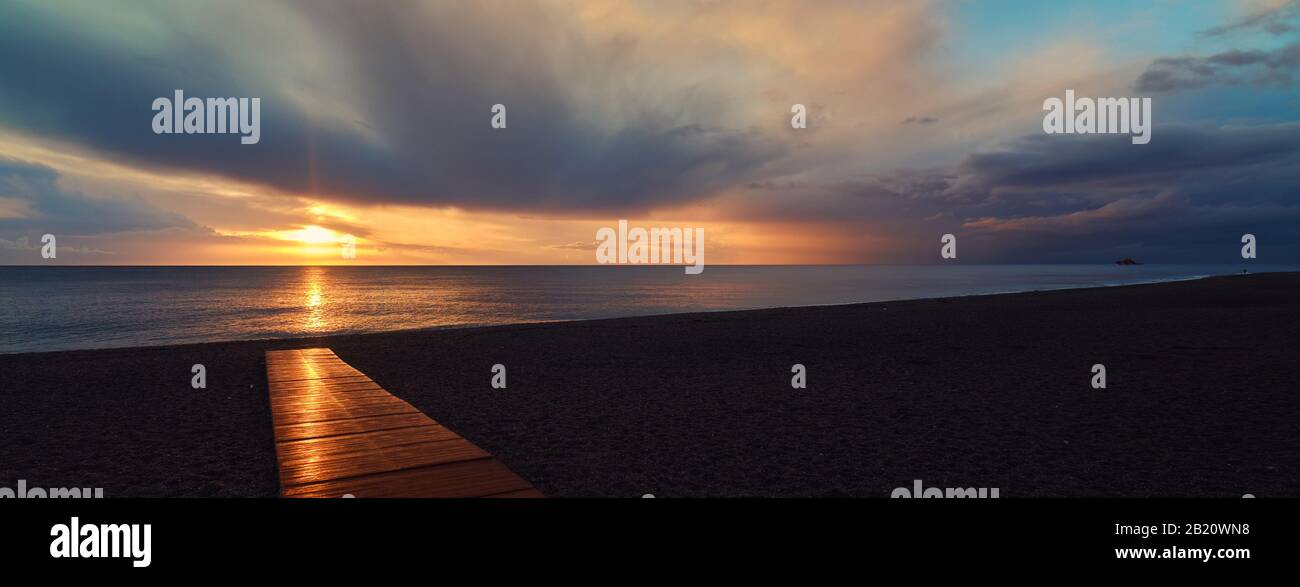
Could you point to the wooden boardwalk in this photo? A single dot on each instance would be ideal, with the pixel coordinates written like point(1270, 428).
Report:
point(337, 432)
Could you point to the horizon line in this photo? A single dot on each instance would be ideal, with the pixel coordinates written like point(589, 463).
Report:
point(644, 265)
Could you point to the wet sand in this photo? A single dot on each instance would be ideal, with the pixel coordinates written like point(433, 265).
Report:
point(1203, 399)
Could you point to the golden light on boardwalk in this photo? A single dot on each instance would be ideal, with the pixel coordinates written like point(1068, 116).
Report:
point(338, 433)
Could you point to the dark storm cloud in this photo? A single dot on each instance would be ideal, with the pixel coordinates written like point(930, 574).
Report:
point(1177, 153)
point(424, 85)
point(1275, 68)
point(1185, 197)
point(48, 208)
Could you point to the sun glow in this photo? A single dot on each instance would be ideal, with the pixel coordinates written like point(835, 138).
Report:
point(311, 235)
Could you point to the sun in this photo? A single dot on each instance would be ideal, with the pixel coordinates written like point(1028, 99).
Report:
point(312, 235)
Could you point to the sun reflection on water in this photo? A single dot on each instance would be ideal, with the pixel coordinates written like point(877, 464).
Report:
point(314, 299)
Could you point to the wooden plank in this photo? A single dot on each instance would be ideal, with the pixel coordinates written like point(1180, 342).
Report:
point(343, 465)
point(367, 399)
point(302, 416)
point(304, 376)
point(319, 386)
point(467, 479)
point(338, 432)
point(523, 493)
point(342, 443)
point(359, 395)
point(354, 426)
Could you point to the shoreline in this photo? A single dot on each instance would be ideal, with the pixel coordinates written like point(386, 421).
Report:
point(988, 390)
point(303, 339)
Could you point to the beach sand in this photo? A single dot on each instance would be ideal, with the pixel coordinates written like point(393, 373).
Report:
point(1203, 399)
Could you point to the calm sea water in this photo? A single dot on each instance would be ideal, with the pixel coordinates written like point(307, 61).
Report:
point(59, 308)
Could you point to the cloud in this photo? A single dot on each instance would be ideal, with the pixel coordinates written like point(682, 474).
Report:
point(424, 94)
point(48, 208)
point(19, 244)
point(1193, 186)
point(577, 246)
point(1276, 68)
point(1074, 198)
point(669, 109)
point(22, 245)
point(1273, 20)
point(610, 105)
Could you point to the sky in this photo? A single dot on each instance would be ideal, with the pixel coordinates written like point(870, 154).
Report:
point(924, 118)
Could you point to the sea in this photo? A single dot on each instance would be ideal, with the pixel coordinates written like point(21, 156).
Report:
point(65, 308)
